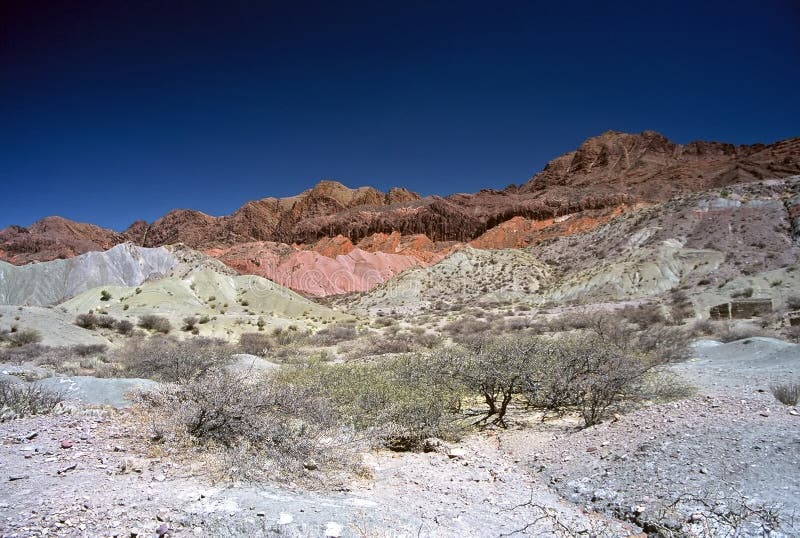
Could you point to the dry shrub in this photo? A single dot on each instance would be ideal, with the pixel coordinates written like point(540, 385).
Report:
point(466, 328)
point(20, 354)
point(24, 337)
point(730, 332)
point(154, 323)
point(268, 428)
point(86, 321)
point(124, 327)
point(168, 359)
point(255, 344)
point(334, 334)
point(87, 350)
point(19, 400)
point(787, 393)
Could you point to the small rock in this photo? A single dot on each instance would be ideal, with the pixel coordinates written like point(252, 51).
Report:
point(66, 443)
point(310, 465)
point(162, 516)
point(703, 470)
point(456, 453)
point(764, 413)
point(333, 530)
point(261, 514)
point(162, 529)
point(285, 518)
point(696, 518)
point(793, 412)
point(591, 449)
point(14, 478)
point(67, 469)
point(31, 435)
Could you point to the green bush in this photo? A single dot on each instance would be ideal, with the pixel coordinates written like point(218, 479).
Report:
point(400, 401)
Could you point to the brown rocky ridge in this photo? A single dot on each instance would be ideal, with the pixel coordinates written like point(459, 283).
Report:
point(364, 236)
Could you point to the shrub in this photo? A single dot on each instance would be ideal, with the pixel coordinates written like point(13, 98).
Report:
point(86, 321)
point(189, 323)
point(747, 292)
point(590, 373)
point(255, 344)
point(495, 370)
point(20, 354)
point(19, 400)
point(152, 322)
point(254, 417)
point(168, 359)
point(334, 334)
point(398, 402)
point(105, 295)
point(24, 337)
point(793, 302)
point(105, 322)
point(124, 327)
point(787, 393)
point(87, 350)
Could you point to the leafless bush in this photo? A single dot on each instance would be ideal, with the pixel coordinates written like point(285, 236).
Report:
point(20, 354)
point(334, 334)
point(19, 400)
point(289, 336)
point(87, 350)
point(255, 344)
point(703, 327)
point(168, 359)
point(24, 337)
point(86, 321)
point(152, 322)
point(730, 332)
point(105, 322)
point(290, 426)
point(787, 393)
point(189, 323)
point(793, 302)
point(124, 327)
point(466, 328)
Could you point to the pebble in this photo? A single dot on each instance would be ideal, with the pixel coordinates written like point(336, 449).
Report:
point(66, 443)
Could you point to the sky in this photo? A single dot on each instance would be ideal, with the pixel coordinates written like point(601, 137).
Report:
point(114, 111)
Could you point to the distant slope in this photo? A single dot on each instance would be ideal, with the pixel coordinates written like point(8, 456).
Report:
point(52, 282)
point(469, 276)
point(229, 305)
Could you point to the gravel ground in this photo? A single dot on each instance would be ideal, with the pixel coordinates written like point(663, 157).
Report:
point(88, 473)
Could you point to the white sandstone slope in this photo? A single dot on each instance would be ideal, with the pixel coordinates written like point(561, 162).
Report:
point(48, 283)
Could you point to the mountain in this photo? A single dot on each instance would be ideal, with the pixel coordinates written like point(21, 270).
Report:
point(364, 236)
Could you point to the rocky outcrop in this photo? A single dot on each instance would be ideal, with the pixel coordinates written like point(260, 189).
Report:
point(53, 238)
point(49, 283)
point(334, 265)
point(605, 176)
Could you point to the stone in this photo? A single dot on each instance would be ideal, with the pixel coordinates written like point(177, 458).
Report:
point(456, 453)
point(66, 443)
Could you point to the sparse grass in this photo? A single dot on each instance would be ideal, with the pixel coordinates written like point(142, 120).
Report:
point(787, 393)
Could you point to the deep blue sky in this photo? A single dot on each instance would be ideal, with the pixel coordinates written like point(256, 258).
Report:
point(112, 111)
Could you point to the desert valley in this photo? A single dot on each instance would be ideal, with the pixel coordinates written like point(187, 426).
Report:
point(610, 348)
